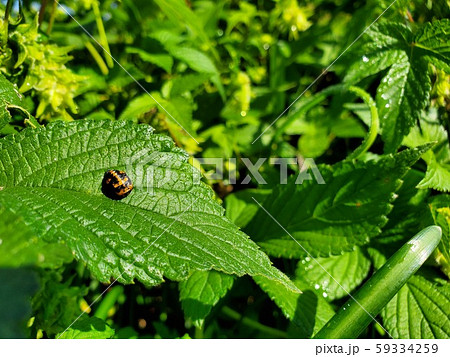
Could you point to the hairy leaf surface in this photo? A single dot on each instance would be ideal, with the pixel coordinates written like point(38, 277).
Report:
point(170, 225)
point(331, 218)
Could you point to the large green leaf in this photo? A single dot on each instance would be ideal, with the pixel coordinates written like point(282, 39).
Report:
point(201, 292)
point(421, 309)
point(401, 96)
point(404, 91)
point(170, 225)
point(334, 277)
point(331, 218)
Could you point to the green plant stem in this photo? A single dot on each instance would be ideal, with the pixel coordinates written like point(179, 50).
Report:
point(357, 313)
point(51, 21)
point(4, 29)
point(198, 333)
point(108, 302)
point(374, 122)
point(42, 11)
point(98, 59)
point(102, 34)
point(252, 323)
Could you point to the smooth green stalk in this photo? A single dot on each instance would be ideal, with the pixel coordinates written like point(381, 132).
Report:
point(51, 21)
point(357, 313)
point(97, 58)
point(5, 24)
point(101, 31)
point(198, 332)
point(42, 11)
point(108, 302)
point(313, 101)
point(374, 122)
point(252, 323)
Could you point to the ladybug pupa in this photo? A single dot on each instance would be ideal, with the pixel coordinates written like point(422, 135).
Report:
point(116, 184)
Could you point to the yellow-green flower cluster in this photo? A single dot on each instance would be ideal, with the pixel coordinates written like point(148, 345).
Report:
point(39, 66)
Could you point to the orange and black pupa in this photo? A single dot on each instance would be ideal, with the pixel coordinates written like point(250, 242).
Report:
point(116, 184)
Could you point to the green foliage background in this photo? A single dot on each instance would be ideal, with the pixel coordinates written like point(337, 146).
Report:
point(152, 85)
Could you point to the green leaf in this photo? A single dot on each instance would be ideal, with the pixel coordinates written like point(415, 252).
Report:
point(139, 106)
point(404, 91)
point(437, 176)
point(334, 277)
point(183, 84)
point(199, 62)
point(57, 303)
point(195, 59)
point(433, 39)
point(438, 160)
point(421, 309)
point(16, 288)
point(201, 292)
point(169, 226)
point(240, 208)
point(9, 98)
point(408, 207)
point(162, 60)
point(88, 328)
point(307, 311)
point(331, 218)
point(19, 246)
point(401, 96)
point(440, 212)
point(179, 13)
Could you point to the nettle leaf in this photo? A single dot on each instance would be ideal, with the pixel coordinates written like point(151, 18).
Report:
point(307, 311)
point(331, 218)
point(410, 204)
point(421, 309)
point(349, 270)
point(404, 91)
point(201, 292)
point(170, 225)
point(88, 328)
point(438, 160)
point(433, 39)
point(20, 247)
point(401, 96)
